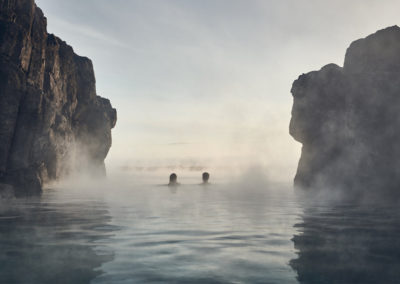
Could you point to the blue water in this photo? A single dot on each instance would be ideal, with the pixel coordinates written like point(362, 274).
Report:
point(194, 234)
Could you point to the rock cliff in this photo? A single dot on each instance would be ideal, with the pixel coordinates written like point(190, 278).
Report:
point(348, 119)
point(51, 120)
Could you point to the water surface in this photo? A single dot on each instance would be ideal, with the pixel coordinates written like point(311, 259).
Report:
point(195, 234)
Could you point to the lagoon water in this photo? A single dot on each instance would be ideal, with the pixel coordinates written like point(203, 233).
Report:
point(195, 234)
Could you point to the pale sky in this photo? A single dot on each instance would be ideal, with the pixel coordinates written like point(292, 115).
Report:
point(208, 82)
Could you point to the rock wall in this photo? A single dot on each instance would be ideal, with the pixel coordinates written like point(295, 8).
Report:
point(348, 119)
point(51, 120)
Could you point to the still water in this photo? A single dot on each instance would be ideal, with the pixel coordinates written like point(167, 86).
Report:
point(195, 234)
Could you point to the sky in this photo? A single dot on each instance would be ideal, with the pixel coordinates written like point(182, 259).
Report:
point(206, 83)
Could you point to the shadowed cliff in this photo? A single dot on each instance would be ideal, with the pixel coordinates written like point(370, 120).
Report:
point(52, 123)
point(348, 119)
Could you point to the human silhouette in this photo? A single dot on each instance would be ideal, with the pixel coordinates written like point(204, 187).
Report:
point(173, 180)
point(205, 177)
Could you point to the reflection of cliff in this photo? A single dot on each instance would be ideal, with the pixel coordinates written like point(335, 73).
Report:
point(54, 242)
point(51, 120)
point(348, 245)
point(348, 119)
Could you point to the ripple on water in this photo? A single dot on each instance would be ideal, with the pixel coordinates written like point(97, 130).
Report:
point(151, 236)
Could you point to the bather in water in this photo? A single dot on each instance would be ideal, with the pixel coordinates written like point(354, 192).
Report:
point(205, 177)
point(173, 180)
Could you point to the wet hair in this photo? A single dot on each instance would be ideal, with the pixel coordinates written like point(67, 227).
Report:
point(173, 177)
point(205, 176)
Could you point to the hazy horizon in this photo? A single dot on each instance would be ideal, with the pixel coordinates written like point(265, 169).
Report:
point(207, 83)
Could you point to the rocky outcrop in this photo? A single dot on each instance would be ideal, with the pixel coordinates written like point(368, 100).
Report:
point(348, 119)
point(51, 120)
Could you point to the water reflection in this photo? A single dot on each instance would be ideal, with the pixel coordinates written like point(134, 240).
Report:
point(47, 240)
point(150, 234)
point(194, 234)
point(348, 244)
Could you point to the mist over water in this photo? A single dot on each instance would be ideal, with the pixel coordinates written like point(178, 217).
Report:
point(123, 232)
point(248, 230)
point(203, 86)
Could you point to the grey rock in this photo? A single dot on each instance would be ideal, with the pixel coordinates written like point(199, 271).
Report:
point(348, 119)
point(52, 122)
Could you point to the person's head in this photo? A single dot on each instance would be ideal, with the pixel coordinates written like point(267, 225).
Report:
point(205, 177)
point(172, 178)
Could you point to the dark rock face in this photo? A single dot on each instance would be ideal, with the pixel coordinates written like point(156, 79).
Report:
point(348, 119)
point(51, 120)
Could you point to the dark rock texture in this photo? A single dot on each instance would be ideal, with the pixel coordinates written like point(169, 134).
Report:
point(51, 120)
point(348, 119)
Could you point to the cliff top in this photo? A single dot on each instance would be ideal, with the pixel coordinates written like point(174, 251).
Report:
point(378, 52)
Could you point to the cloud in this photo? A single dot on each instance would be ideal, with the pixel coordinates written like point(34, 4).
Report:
point(85, 31)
